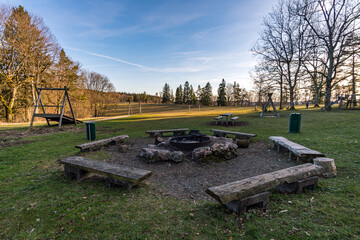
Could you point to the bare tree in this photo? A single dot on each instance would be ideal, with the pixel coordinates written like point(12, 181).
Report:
point(283, 43)
point(315, 65)
point(98, 85)
point(229, 93)
point(332, 22)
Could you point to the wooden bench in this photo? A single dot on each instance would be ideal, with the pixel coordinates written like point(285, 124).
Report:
point(219, 118)
point(176, 132)
point(233, 119)
point(240, 195)
point(91, 146)
point(117, 175)
point(302, 154)
point(238, 135)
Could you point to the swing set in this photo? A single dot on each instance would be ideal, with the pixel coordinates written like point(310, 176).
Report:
point(61, 118)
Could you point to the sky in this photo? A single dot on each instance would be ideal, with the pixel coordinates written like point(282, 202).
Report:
point(142, 44)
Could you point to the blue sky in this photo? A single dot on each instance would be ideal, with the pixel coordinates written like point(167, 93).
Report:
point(142, 44)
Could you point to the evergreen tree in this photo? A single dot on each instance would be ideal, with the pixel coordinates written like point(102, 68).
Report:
point(206, 95)
point(172, 96)
point(179, 95)
point(166, 94)
point(236, 93)
point(221, 100)
point(192, 95)
point(198, 94)
point(186, 95)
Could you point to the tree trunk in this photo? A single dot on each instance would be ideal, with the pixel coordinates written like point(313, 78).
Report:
point(317, 92)
point(328, 81)
point(292, 105)
point(9, 115)
point(353, 81)
point(281, 93)
point(328, 96)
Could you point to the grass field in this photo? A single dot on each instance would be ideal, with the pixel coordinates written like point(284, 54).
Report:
point(38, 202)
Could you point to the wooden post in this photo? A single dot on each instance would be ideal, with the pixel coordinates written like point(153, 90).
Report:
point(266, 105)
point(328, 164)
point(62, 110)
point(68, 98)
point(37, 103)
point(42, 105)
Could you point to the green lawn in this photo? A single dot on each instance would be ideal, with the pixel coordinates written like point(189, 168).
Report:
point(38, 202)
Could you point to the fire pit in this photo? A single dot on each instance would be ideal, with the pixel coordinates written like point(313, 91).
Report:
point(194, 140)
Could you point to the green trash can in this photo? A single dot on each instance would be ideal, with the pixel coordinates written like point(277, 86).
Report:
point(90, 131)
point(295, 123)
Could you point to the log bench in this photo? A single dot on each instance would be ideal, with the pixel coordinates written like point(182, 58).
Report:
point(176, 132)
point(254, 191)
point(238, 135)
point(233, 119)
point(219, 118)
point(301, 153)
point(117, 175)
point(92, 146)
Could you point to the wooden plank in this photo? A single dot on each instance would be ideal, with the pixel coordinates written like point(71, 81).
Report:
point(167, 130)
point(47, 115)
point(65, 88)
point(233, 133)
point(116, 171)
point(90, 146)
point(261, 183)
point(304, 153)
point(295, 148)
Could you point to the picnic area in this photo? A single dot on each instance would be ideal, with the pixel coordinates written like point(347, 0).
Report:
point(180, 199)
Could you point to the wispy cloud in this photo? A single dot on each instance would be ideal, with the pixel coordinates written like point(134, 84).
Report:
point(161, 70)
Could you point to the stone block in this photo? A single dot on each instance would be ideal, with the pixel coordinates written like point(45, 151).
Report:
point(328, 164)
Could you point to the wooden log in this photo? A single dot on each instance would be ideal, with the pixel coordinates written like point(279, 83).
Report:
point(243, 143)
point(241, 206)
point(91, 146)
point(298, 186)
point(302, 153)
point(75, 172)
point(218, 132)
point(261, 183)
point(153, 133)
point(328, 164)
point(116, 171)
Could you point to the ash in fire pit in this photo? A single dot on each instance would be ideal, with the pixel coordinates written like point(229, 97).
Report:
point(194, 140)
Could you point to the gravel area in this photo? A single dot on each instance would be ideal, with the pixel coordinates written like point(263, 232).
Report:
point(189, 179)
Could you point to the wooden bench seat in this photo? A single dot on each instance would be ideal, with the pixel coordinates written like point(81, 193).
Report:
point(233, 119)
point(238, 135)
point(78, 167)
point(219, 118)
point(91, 146)
point(302, 154)
point(239, 195)
point(176, 132)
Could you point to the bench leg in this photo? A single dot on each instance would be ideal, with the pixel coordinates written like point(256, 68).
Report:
point(111, 182)
point(276, 146)
point(73, 172)
point(298, 187)
point(241, 206)
point(179, 133)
